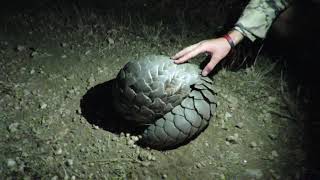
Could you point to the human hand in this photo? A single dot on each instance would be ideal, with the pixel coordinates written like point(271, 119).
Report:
point(218, 48)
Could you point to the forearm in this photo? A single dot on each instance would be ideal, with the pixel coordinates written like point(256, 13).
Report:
point(258, 16)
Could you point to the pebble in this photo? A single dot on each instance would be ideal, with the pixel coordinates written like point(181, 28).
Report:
point(58, 151)
point(21, 48)
point(272, 136)
point(164, 176)
point(253, 144)
point(233, 139)
point(198, 165)
point(110, 41)
point(43, 106)
point(239, 125)
point(32, 71)
point(135, 138)
point(227, 115)
point(274, 153)
point(69, 162)
point(34, 53)
point(11, 163)
point(63, 44)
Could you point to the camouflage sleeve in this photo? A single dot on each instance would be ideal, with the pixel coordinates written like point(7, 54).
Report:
point(258, 16)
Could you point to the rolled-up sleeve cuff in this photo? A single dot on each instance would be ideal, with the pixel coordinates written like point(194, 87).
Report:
point(244, 32)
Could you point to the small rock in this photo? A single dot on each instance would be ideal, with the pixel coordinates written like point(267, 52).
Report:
point(95, 127)
point(34, 53)
point(272, 136)
point(110, 41)
point(274, 153)
point(198, 165)
point(239, 125)
point(78, 111)
point(143, 156)
point(135, 138)
point(32, 71)
point(69, 162)
point(20, 48)
point(13, 127)
point(233, 139)
point(227, 115)
point(58, 151)
point(122, 134)
point(253, 144)
point(164, 176)
point(63, 44)
point(43, 106)
point(64, 56)
point(11, 163)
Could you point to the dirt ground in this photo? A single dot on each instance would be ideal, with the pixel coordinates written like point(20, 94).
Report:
point(54, 121)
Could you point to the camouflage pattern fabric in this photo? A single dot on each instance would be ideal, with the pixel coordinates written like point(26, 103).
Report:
point(258, 16)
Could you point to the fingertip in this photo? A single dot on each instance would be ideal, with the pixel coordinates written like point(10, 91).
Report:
point(176, 61)
point(204, 73)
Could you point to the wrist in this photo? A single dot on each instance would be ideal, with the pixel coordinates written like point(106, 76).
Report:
point(235, 36)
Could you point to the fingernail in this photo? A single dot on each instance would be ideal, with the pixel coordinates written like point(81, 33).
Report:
point(204, 73)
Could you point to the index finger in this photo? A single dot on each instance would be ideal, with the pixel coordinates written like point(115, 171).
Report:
point(184, 51)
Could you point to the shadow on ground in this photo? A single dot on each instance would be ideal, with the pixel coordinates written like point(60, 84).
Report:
point(96, 107)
